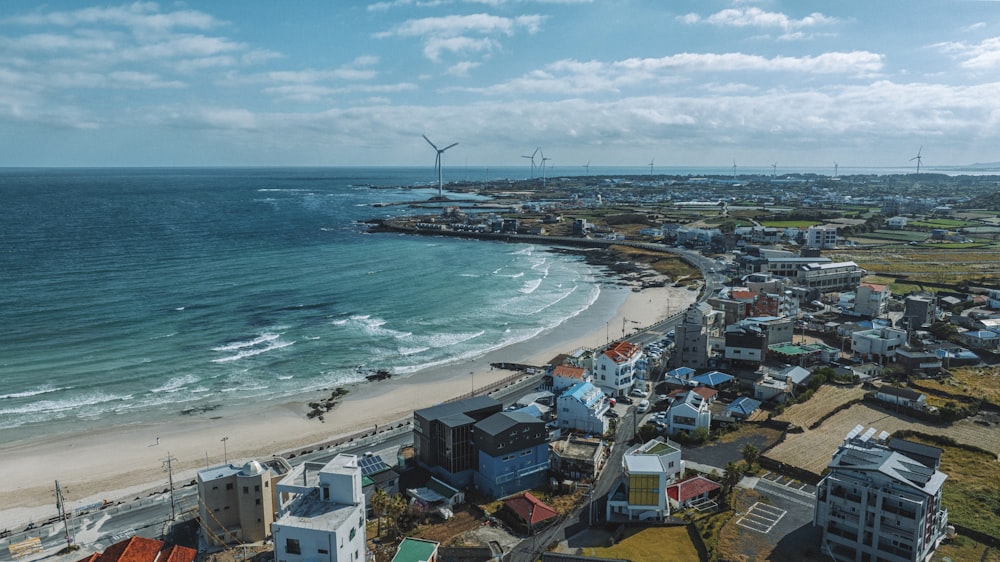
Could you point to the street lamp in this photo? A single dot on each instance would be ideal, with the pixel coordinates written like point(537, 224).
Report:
point(225, 453)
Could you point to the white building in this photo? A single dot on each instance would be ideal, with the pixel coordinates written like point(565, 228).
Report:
point(617, 368)
point(565, 377)
point(583, 408)
point(688, 413)
point(881, 500)
point(872, 300)
point(821, 237)
point(877, 344)
point(641, 494)
point(322, 513)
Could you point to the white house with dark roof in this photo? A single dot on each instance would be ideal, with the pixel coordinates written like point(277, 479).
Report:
point(688, 412)
point(905, 397)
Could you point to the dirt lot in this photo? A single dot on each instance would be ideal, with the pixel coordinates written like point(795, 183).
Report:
point(813, 449)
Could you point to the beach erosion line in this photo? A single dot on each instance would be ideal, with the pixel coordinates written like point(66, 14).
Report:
point(118, 463)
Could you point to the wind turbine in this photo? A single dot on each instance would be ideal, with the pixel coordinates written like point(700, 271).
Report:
point(544, 160)
point(437, 162)
point(734, 170)
point(835, 167)
point(774, 169)
point(918, 158)
point(587, 167)
point(650, 166)
point(532, 158)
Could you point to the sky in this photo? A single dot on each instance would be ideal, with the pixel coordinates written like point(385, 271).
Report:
point(785, 83)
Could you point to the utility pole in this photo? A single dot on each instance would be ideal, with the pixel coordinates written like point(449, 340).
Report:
point(61, 509)
point(170, 478)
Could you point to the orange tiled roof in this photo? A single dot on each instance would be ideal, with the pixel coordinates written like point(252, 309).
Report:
point(528, 506)
point(567, 371)
point(874, 286)
point(691, 488)
point(621, 351)
point(140, 549)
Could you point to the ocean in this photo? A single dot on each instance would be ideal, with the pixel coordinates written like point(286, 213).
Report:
point(132, 295)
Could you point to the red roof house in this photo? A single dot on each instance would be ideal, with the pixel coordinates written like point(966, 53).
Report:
point(530, 510)
point(139, 549)
point(683, 492)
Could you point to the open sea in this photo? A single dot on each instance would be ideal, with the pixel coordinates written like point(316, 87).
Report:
point(132, 294)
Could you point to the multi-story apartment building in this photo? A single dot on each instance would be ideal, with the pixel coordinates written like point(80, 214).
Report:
point(617, 368)
point(821, 237)
point(237, 504)
point(881, 501)
point(322, 513)
point(442, 438)
point(583, 408)
point(513, 453)
point(878, 344)
point(695, 335)
point(827, 277)
point(872, 300)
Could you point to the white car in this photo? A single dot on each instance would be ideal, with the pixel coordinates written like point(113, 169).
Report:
point(638, 393)
point(643, 406)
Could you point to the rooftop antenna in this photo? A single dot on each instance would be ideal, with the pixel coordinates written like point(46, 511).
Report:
point(835, 166)
point(918, 158)
point(437, 162)
point(532, 158)
point(650, 166)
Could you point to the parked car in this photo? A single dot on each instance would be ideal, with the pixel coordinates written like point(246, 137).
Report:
point(638, 393)
point(627, 400)
point(611, 413)
point(643, 406)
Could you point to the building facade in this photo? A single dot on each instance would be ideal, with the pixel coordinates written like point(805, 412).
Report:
point(513, 453)
point(617, 368)
point(442, 438)
point(238, 504)
point(322, 513)
point(583, 408)
point(641, 494)
point(881, 501)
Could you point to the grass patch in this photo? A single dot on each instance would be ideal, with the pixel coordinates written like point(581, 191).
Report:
point(974, 382)
point(964, 548)
point(940, 223)
point(667, 264)
point(972, 491)
point(650, 545)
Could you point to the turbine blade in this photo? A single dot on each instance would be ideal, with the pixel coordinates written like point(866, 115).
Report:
point(449, 146)
point(429, 141)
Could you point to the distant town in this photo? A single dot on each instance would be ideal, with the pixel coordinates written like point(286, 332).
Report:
point(832, 394)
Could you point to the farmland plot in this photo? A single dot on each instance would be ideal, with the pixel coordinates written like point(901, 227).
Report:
point(812, 450)
point(827, 399)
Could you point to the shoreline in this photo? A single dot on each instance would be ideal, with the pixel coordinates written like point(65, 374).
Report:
point(120, 463)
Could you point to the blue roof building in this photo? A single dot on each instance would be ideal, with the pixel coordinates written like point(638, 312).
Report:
point(713, 379)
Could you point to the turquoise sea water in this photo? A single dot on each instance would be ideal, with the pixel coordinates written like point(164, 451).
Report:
point(131, 295)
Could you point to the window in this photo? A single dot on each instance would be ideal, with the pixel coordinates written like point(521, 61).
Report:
point(229, 486)
point(258, 501)
point(323, 551)
point(352, 533)
point(256, 488)
point(246, 489)
point(292, 546)
point(525, 452)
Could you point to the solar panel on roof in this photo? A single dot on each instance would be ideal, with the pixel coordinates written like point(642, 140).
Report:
point(372, 464)
point(883, 436)
point(868, 434)
point(854, 432)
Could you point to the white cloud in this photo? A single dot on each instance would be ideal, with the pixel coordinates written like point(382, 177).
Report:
point(462, 68)
point(756, 17)
point(984, 55)
point(463, 35)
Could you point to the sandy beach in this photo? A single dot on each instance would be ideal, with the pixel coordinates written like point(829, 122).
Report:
point(122, 462)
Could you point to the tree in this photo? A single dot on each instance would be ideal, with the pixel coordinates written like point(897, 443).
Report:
point(380, 505)
point(396, 508)
point(750, 454)
point(731, 477)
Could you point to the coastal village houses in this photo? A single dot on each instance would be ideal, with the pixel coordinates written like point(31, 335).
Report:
point(443, 438)
point(322, 513)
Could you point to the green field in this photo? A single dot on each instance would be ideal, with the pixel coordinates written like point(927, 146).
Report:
point(940, 223)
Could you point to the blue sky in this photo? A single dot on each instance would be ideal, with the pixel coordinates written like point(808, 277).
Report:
point(609, 82)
